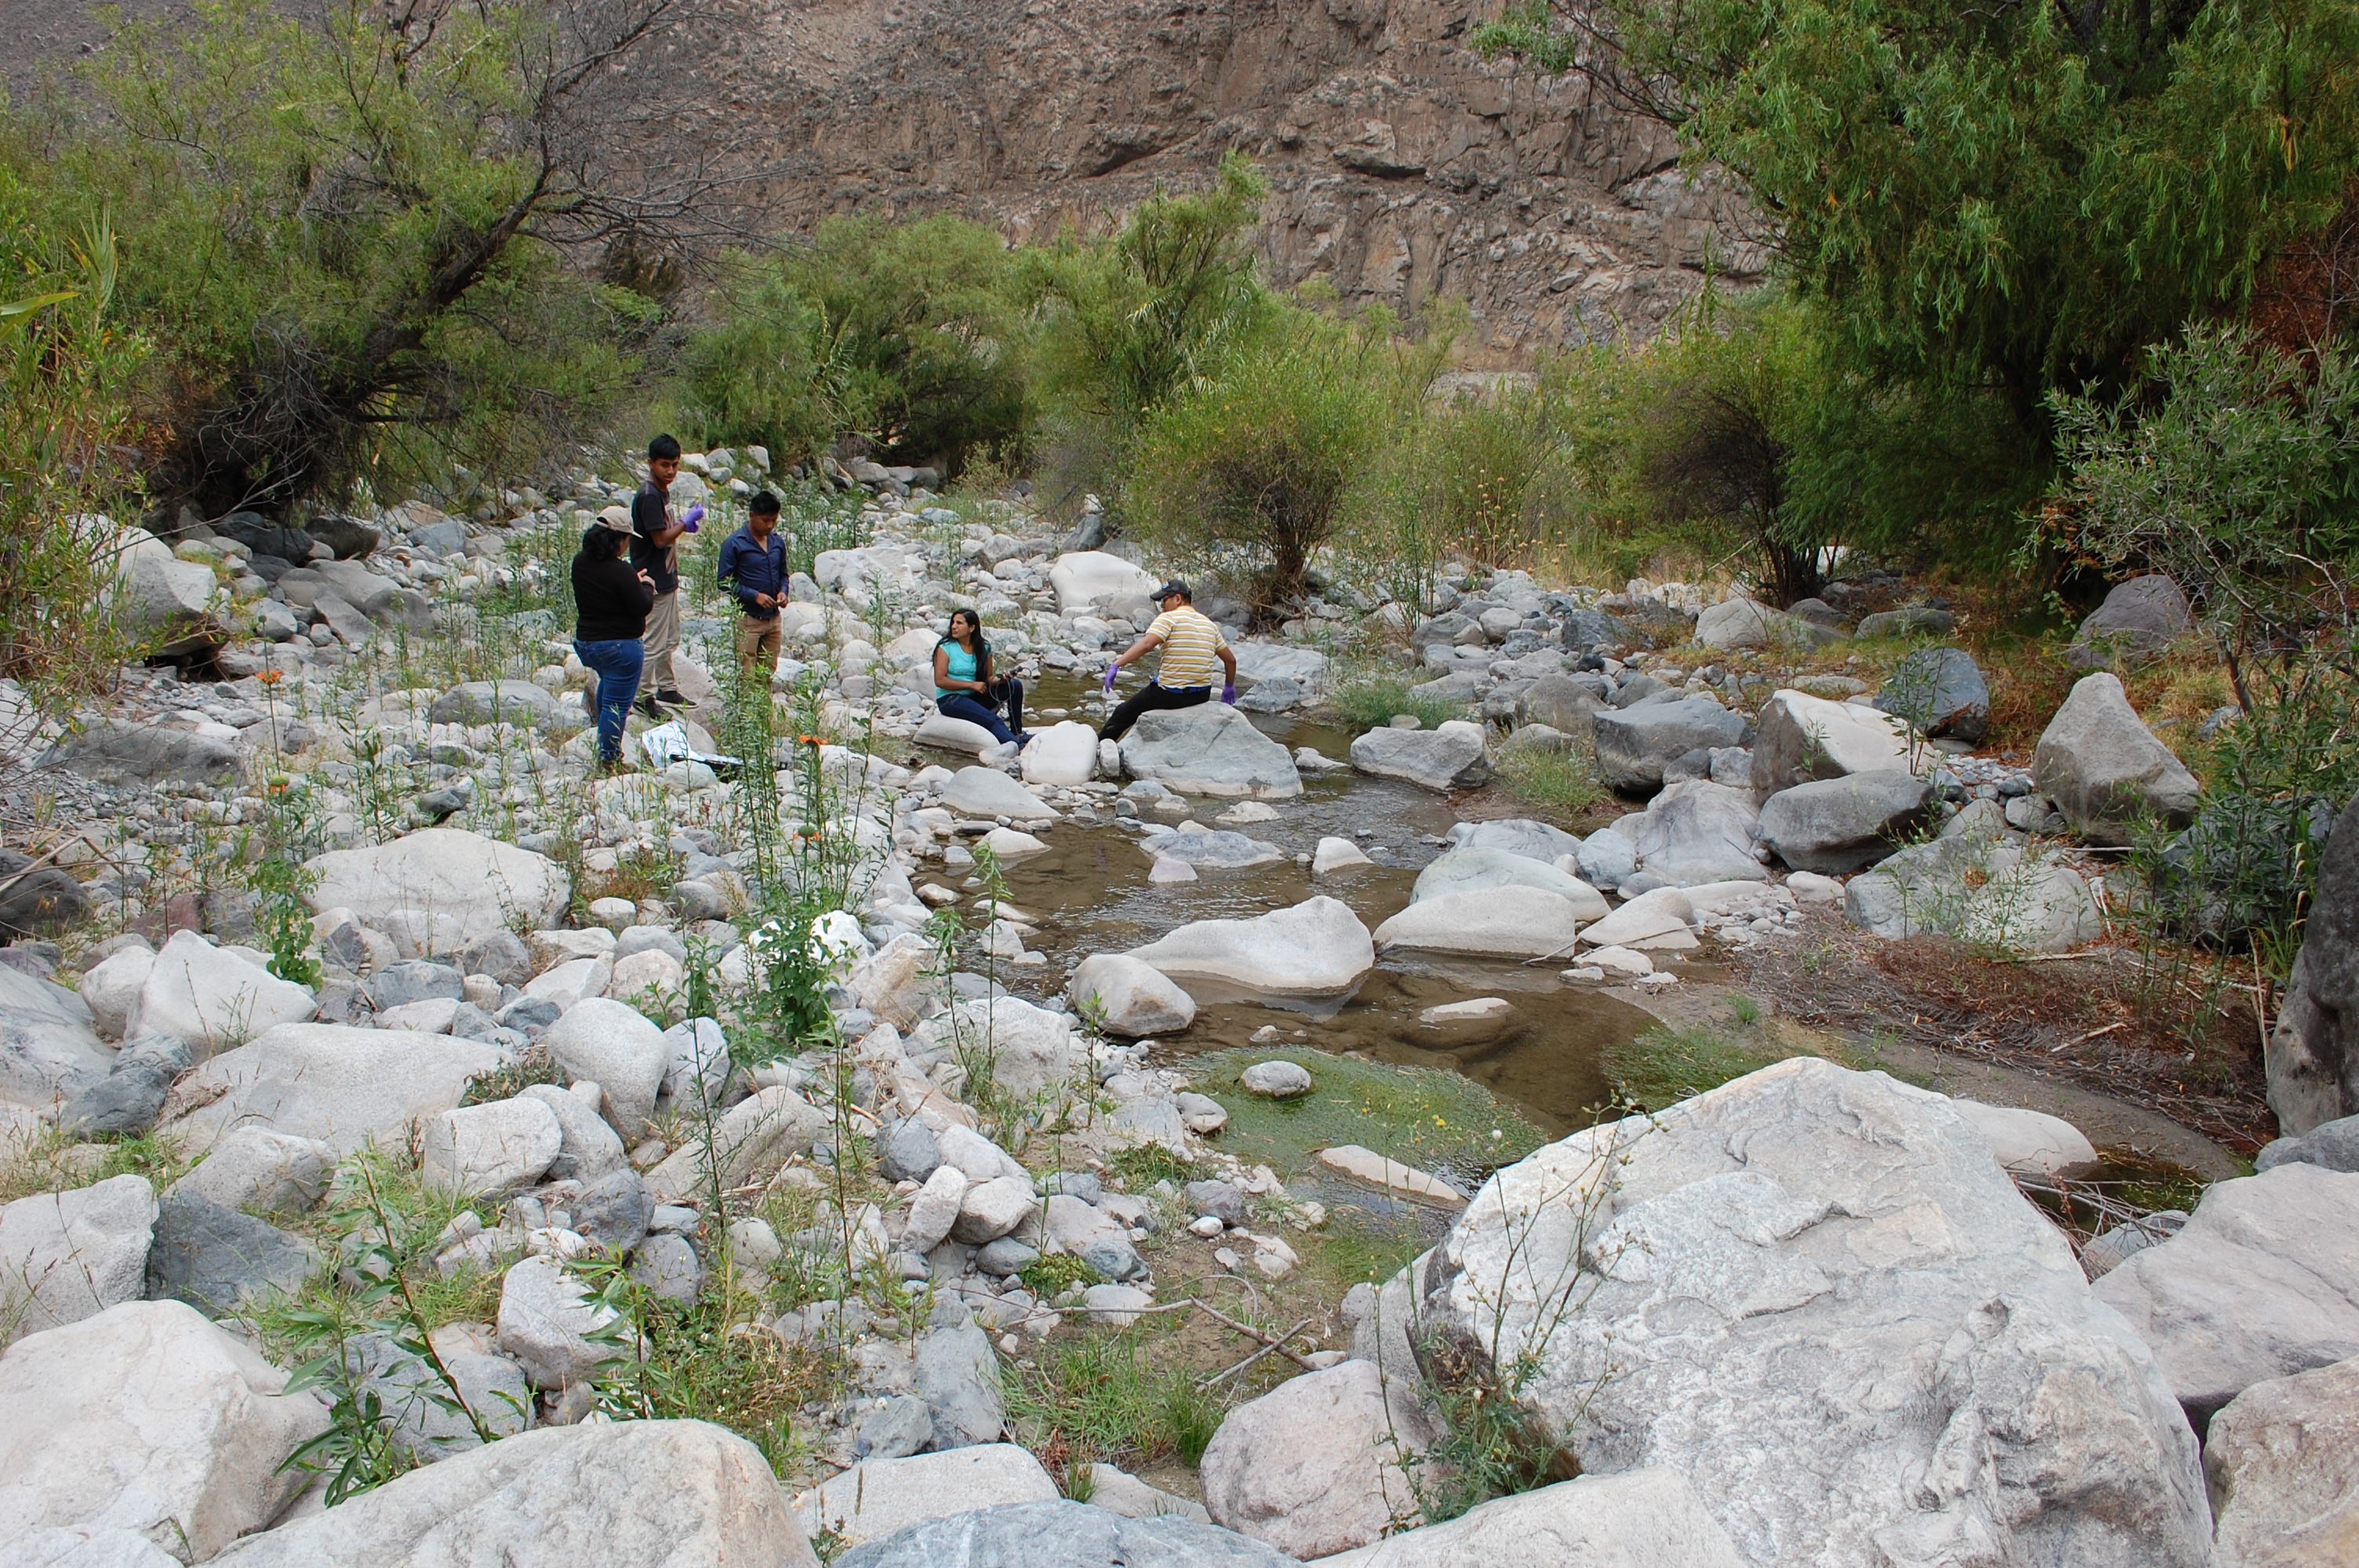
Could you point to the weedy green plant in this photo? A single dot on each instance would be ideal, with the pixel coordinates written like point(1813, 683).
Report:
point(1370, 701)
point(1100, 1397)
point(1566, 780)
point(1663, 1065)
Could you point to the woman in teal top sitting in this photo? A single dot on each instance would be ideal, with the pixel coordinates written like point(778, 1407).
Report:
point(964, 686)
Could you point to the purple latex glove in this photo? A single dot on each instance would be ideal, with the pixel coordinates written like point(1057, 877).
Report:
point(1229, 693)
point(1112, 670)
point(695, 515)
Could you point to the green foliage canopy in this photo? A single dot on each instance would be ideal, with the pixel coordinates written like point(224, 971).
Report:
point(2020, 195)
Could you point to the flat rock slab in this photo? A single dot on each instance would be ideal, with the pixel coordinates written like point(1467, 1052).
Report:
point(1367, 1166)
point(877, 1497)
point(1450, 756)
point(437, 890)
point(1059, 1534)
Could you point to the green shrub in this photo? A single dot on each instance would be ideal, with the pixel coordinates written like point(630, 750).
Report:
point(1251, 472)
point(364, 249)
point(1565, 780)
point(1664, 1066)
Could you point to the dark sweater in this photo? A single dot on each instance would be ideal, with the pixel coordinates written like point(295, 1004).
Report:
point(610, 600)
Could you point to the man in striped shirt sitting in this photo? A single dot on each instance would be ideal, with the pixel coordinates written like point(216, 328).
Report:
point(1191, 642)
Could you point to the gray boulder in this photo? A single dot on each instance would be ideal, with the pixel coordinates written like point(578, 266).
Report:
point(1561, 702)
point(35, 902)
point(130, 1097)
point(2283, 1461)
point(632, 1494)
point(1061, 1535)
point(1992, 893)
point(1632, 1518)
point(1316, 948)
point(112, 751)
point(958, 1376)
point(495, 702)
point(145, 1423)
point(351, 538)
point(258, 1170)
point(1634, 743)
point(1476, 868)
point(1607, 858)
point(1452, 756)
point(1586, 631)
point(906, 1150)
point(614, 1210)
point(1697, 831)
point(1907, 619)
point(413, 980)
point(2330, 1145)
point(1813, 1231)
point(2263, 1280)
point(2139, 619)
point(71, 1255)
point(2312, 1052)
point(48, 1051)
point(438, 889)
point(501, 955)
point(1130, 997)
point(264, 538)
point(2104, 768)
point(220, 1262)
point(1940, 691)
point(341, 1087)
point(615, 1047)
point(546, 1321)
point(1517, 836)
point(1803, 738)
point(1841, 825)
point(1211, 749)
point(416, 1399)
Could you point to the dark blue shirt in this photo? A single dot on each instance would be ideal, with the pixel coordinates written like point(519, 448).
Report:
point(756, 568)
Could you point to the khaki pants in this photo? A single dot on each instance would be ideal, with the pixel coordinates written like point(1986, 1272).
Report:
point(757, 643)
point(661, 637)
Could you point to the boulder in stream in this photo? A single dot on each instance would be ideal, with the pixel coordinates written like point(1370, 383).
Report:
point(1315, 950)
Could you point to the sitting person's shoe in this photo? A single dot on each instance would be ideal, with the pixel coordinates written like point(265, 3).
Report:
point(647, 705)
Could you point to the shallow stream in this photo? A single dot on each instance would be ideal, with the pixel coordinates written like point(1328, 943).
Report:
point(1091, 892)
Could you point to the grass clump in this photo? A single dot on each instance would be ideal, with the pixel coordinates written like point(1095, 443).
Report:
point(1566, 781)
point(1102, 1397)
point(1665, 1066)
point(1421, 1115)
point(1046, 1276)
point(1369, 702)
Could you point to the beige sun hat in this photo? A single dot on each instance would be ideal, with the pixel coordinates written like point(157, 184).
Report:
point(618, 518)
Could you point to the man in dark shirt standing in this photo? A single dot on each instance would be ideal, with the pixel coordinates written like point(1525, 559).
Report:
point(655, 551)
point(754, 561)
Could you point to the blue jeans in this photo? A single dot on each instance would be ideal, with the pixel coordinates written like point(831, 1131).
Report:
point(618, 664)
point(975, 710)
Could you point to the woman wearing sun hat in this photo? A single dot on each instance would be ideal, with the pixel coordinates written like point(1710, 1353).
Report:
point(611, 601)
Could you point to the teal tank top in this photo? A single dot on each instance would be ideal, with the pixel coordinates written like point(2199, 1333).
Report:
point(958, 665)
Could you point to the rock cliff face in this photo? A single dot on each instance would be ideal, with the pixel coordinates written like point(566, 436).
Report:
point(1405, 166)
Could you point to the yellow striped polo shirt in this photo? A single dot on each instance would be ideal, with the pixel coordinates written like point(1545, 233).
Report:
point(1191, 640)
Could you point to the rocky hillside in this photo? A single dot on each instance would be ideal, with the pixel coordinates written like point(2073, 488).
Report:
point(1404, 165)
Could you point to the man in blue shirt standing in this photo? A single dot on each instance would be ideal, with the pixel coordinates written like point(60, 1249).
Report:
point(753, 560)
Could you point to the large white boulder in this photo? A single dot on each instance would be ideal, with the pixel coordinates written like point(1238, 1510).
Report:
point(1315, 949)
point(877, 1497)
point(1319, 1464)
point(755, 1137)
point(1129, 996)
point(48, 1051)
point(1813, 1292)
point(165, 600)
point(490, 1148)
point(1064, 754)
point(440, 888)
point(343, 1087)
point(1081, 577)
point(1510, 920)
point(1452, 755)
point(110, 987)
point(2262, 1281)
point(546, 1323)
point(1636, 1518)
point(2105, 769)
point(149, 1420)
point(68, 1256)
point(1699, 832)
point(1211, 748)
point(632, 1494)
point(1030, 1048)
point(1743, 623)
point(1477, 868)
point(210, 998)
point(603, 1041)
point(1799, 738)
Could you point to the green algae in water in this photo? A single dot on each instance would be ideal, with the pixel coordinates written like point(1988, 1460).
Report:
point(1427, 1117)
point(1664, 1066)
